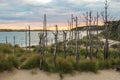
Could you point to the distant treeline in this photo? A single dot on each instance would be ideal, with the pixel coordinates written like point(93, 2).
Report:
point(21, 30)
point(91, 28)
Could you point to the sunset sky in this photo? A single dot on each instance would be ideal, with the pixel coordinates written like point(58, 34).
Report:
point(18, 14)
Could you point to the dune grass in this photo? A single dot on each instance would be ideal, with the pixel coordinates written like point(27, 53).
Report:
point(24, 59)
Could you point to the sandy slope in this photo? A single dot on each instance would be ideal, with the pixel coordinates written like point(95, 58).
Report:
point(39, 75)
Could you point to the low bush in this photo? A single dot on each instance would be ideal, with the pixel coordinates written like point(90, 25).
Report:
point(7, 50)
point(48, 65)
point(5, 65)
point(105, 64)
point(31, 62)
point(8, 63)
point(87, 65)
point(14, 60)
point(63, 65)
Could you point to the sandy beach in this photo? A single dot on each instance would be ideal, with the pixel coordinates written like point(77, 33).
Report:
point(40, 75)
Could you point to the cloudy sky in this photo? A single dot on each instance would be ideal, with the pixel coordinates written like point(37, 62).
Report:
point(17, 14)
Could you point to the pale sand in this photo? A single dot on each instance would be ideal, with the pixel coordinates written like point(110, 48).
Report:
point(40, 75)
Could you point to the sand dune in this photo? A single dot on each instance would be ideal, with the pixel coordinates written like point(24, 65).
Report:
point(40, 75)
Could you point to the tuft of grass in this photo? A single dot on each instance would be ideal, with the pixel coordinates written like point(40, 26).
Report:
point(104, 64)
point(63, 65)
point(31, 62)
point(8, 63)
point(87, 65)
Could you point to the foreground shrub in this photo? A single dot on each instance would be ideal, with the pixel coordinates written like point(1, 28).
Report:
point(14, 60)
point(8, 63)
point(31, 62)
point(118, 62)
point(87, 65)
point(48, 65)
point(6, 48)
point(105, 64)
point(63, 65)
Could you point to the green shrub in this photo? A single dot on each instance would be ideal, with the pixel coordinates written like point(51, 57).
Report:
point(63, 65)
point(31, 62)
point(14, 60)
point(5, 65)
point(118, 62)
point(48, 65)
point(8, 63)
point(23, 58)
point(104, 64)
point(7, 50)
point(87, 65)
point(113, 53)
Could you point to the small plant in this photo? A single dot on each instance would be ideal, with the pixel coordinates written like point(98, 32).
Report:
point(104, 64)
point(87, 65)
point(63, 65)
point(31, 62)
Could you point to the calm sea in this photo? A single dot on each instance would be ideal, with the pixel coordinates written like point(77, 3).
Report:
point(20, 37)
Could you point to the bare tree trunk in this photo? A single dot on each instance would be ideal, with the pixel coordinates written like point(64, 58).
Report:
point(97, 36)
point(64, 41)
point(56, 42)
point(45, 31)
point(72, 25)
point(26, 38)
point(41, 46)
point(119, 40)
point(90, 36)
point(6, 40)
point(13, 45)
point(70, 38)
point(76, 38)
point(106, 47)
point(87, 33)
point(29, 37)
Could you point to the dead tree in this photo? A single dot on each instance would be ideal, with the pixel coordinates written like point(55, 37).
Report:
point(41, 46)
point(90, 35)
point(6, 40)
point(76, 39)
point(97, 34)
point(119, 40)
point(106, 46)
point(56, 43)
point(45, 31)
point(29, 34)
point(87, 33)
point(26, 38)
point(64, 42)
point(70, 37)
point(72, 20)
point(13, 45)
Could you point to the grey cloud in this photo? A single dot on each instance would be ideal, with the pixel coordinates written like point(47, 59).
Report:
point(57, 10)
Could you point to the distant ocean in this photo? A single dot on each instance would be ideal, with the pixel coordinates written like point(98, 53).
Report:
point(20, 37)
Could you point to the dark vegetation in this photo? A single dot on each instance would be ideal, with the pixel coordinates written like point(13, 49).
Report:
point(114, 30)
point(24, 59)
point(86, 54)
point(94, 28)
